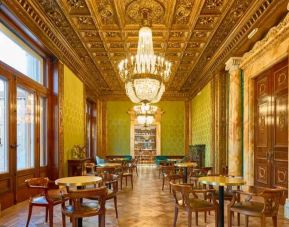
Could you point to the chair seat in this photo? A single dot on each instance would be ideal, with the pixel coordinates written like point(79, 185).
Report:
point(85, 209)
point(248, 206)
point(56, 198)
point(198, 204)
point(127, 174)
point(110, 194)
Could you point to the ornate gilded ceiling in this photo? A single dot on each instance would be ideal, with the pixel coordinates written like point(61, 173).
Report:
point(195, 35)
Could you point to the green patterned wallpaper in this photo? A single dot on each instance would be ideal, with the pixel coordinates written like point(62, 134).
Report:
point(73, 113)
point(172, 127)
point(202, 120)
point(118, 127)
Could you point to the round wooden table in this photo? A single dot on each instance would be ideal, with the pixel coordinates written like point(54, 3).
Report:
point(222, 181)
point(185, 166)
point(79, 182)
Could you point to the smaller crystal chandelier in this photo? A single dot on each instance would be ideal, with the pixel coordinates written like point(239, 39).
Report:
point(145, 73)
point(145, 114)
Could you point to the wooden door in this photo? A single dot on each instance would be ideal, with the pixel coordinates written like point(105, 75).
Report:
point(271, 127)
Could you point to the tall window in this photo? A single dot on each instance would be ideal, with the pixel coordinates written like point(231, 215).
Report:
point(3, 126)
point(25, 129)
point(43, 131)
point(14, 52)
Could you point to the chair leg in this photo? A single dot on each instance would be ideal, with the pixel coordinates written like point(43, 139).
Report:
point(246, 221)
point(229, 218)
point(274, 219)
point(238, 219)
point(74, 222)
point(99, 220)
point(205, 216)
point(63, 220)
point(103, 220)
point(163, 183)
point(46, 214)
point(136, 170)
point(29, 214)
point(176, 216)
point(50, 212)
point(115, 206)
point(263, 221)
point(131, 179)
point(197, 219)
point(121, 183)
point(216, 219)
point(126, 181)
point(189, 218)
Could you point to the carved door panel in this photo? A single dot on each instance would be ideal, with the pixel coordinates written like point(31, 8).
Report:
point(263, 124)
point(279, 153)
point(271, 127)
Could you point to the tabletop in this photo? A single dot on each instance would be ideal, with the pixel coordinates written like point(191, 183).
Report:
point(186, 164)
point(222, 181)
point(109, 164)
point(78, 180)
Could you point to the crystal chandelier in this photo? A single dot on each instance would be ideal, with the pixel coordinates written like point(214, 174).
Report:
point(145, 114)
point(145, 73)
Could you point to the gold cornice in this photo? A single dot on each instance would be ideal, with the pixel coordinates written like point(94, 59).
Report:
point(223, 53)
point(274, 37)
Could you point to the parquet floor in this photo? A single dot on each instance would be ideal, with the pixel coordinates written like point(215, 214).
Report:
point(145, 205)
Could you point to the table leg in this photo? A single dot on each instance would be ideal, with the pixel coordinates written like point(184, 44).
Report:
point(79, 220)
point(221, 207)
point(185, 175)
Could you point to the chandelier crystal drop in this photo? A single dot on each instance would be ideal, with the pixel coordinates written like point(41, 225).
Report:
point(145, 113)
point(145, 73)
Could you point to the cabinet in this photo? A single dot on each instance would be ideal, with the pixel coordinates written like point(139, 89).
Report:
point(145, 140)
point(197, 154)
point(76, 167)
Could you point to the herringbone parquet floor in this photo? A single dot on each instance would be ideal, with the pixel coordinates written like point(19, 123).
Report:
point(146, 205)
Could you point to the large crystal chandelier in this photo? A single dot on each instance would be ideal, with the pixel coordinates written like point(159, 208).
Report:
point(145, 73)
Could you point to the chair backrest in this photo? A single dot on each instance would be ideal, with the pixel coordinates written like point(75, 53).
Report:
point(77, 195)
point(169, 170)
point(272, 200)
point(181, 192)
point(37, 185)
point(102, 170)
point(110, 180)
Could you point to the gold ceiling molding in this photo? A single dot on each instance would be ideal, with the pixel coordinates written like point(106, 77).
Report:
point(274, 37)
point(232, 41)
point(92, 37)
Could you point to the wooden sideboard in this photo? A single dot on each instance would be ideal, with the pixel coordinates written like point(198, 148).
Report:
point(76, 167)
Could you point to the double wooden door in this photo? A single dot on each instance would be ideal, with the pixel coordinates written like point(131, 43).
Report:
point(271, 127)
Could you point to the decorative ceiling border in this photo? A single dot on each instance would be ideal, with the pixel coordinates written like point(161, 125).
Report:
point(275, 36)
point(232, 42)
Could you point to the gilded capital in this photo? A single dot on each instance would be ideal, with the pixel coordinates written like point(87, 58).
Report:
point(233, 64)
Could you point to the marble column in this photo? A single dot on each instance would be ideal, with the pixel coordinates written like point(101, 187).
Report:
point(235, 118)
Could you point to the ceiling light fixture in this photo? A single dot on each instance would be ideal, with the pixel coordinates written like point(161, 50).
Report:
point(145, 73)
point(145, 114)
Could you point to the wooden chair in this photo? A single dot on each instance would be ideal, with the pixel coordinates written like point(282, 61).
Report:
point(90, 167)
point(171, 174)
point(195, 174)
point(269, 208)
point(187, 198)
point(45, 197)
point(111, 182)
point(126, 172)
point(80, 209)
point(134, 165)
